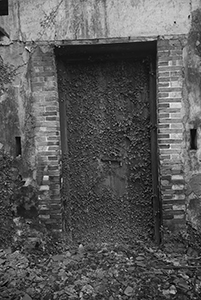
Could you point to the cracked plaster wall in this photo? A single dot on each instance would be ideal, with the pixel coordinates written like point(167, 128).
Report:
point(192, 120)
point(79, 19)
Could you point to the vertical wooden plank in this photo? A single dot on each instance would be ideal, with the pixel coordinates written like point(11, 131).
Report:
point(67, 228)
point(157, 211)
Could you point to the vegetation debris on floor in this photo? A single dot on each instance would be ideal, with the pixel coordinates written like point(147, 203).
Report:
point(104, 271)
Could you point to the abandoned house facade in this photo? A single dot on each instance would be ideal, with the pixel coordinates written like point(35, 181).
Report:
point(101, 105)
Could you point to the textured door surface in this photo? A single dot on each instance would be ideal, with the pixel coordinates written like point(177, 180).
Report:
point(107, 167)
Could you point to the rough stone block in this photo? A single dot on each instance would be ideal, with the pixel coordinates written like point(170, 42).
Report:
point(44, 188)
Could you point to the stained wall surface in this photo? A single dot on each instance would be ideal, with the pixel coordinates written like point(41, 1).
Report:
point(29, 101)
point(89, 19)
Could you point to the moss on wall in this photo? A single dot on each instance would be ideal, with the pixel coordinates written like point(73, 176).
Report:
point(7, 73)
point(9, 124)
point(17, 199)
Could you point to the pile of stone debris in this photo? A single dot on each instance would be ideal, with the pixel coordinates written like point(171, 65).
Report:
point(103, 271)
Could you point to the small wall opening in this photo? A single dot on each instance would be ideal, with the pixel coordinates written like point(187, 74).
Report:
point(193, 139)
point(3, 7)
point(18, 147)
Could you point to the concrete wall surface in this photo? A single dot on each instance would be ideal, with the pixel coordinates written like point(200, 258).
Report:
point(45, 20)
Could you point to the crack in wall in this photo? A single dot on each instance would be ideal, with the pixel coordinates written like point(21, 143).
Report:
point(19, 22)
point(49, 19)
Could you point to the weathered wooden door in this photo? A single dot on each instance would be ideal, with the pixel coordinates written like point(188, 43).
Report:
point(106, 126)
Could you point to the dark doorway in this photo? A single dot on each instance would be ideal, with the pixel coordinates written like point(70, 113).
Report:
point(106, 110)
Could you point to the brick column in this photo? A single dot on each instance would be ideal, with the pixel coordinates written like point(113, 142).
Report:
point(170, 132)
point(47, 134)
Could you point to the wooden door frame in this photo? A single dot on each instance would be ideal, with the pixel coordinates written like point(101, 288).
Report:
point(80, 51)
point(157, 205)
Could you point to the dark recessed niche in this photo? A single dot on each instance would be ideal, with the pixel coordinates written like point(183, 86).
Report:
point(3, 7)
point(18, 147)
point(193, 139)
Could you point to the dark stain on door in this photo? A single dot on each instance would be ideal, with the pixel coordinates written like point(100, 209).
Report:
point(107, 153)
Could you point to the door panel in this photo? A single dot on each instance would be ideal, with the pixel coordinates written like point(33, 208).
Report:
point(107, 127)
